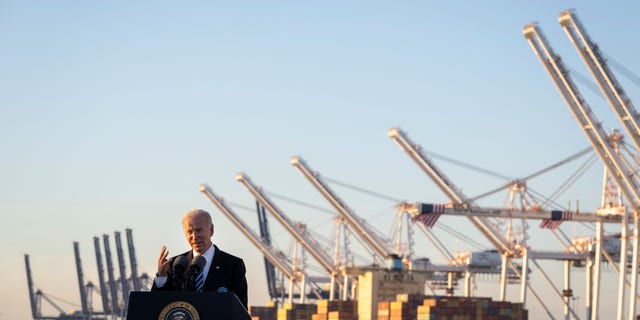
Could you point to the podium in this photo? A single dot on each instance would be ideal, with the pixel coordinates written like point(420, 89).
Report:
point(170, 305)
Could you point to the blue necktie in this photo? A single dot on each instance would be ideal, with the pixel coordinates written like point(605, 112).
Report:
point(200, 282)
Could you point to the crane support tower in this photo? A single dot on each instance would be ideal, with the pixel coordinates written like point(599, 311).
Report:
point(268, 266)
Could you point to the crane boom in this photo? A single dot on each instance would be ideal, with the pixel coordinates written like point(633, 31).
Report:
point(609, 85)
point(124, 283)
point(581, 111)
point(32, 297)
point(310, 244)
point(103, 288)
point(115, 307)
point(132, 260)
point(276, 258)
point(441, 181)
point(359, 225)
point(83, 293)
point(448, 188)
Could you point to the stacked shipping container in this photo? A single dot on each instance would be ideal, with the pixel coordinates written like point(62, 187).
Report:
point(293, 311)
point(336, 310)
point(420, 307)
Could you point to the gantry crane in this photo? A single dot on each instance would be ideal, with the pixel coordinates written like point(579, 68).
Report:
point(87, 289)
point(592, 128)
point(301, 234)
point(275, 257)
point(458, 199)
point(377, 243)
point(36, 297)
point(480, 217)
point(619, 102)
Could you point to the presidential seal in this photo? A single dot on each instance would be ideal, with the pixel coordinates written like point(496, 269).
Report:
point(179, 310)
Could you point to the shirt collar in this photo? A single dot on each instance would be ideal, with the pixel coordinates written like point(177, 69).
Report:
point(207, 254)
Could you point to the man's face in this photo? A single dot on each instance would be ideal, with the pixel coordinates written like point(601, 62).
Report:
point(198, 233)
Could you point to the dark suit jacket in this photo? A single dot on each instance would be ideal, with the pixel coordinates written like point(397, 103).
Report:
point(226, 271)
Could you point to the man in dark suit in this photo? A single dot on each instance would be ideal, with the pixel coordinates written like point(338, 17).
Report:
point(222, 271)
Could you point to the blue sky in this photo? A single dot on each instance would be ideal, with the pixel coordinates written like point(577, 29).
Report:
point(112, 114)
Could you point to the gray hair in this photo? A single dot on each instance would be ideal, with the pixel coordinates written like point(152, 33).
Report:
point(198, 213)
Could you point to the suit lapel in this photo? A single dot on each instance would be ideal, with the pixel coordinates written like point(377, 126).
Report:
point(211, 282)
point(189, 255)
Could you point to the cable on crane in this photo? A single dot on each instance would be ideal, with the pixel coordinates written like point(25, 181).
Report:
point(61, 300)
point(445, 228)
point(586, 81)
point(635, 79)
point(363, 190)
point(571, 180)
point(535, 174)
point(550, 201)
point(462, 236)
point(301, 203)
point(469, 166)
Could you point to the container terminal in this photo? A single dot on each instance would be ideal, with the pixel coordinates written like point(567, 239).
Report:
point(398, 285)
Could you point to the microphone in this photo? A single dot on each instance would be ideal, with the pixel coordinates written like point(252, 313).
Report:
point(222, 289)
point(194, 269)
point(197, 265)
point(179, 265)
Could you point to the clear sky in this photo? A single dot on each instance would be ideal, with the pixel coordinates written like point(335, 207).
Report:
point(113, 113)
